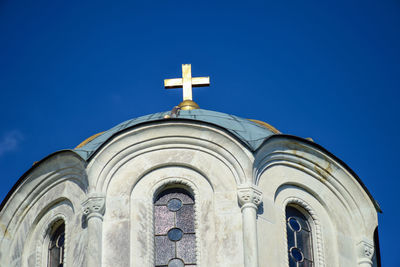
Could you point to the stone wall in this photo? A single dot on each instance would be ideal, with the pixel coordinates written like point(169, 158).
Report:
point(240, 200)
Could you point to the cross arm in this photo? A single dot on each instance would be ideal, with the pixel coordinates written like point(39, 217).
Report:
point(196, 82)
point(173, 83)
point(200, 81)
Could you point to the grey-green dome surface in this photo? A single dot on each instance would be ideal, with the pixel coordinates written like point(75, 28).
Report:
point(250, 133)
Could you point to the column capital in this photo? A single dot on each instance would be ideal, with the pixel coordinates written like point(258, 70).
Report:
point(94, 205)
point(249, 194)
point(365, 249)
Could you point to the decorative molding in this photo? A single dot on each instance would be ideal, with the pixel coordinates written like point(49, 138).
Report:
point(94, 206)
point(365, 251)
point(319, 258)
point(230, 153)
point(159, 187)
point(249, 195)
point(324, 169)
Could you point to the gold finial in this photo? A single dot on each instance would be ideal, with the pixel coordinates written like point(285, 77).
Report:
point(187, 82)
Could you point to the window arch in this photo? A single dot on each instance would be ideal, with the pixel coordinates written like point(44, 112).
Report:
point(174, 228)
point(56, 248)
point(299, 238)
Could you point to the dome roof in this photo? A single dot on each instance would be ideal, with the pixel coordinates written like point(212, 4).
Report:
point(251, 132)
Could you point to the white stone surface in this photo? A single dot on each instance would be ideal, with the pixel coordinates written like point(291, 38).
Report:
point(234, 227)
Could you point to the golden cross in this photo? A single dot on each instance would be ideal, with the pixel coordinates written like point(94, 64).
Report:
point(186, 82)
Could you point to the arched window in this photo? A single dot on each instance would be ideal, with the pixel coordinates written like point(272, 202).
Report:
point(56, 245)
point(299, 237)
point(175, 240)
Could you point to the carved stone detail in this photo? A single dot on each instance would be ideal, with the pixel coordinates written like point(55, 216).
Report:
point(365, 252)
point(94, 206)
point(249, 194)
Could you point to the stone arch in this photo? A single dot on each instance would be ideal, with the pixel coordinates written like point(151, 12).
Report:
point(58, 199)
point(149, 139)
point(142, 197)
point(324, 233)
point(35, 248)
point(328, 174)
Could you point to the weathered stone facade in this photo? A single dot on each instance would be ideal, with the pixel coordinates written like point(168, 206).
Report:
point(241, 195)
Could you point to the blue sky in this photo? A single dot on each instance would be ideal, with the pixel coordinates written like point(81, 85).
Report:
point(326, 70)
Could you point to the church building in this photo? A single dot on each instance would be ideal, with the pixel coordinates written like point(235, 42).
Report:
point(190, 187)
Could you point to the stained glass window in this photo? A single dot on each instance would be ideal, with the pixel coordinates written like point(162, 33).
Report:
point(175, 239)
point(299, 238)
point(56, 246)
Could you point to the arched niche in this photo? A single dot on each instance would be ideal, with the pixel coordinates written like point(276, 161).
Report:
point(287, 169)
point(135, 215)
point(138, 158)
point(60, 199)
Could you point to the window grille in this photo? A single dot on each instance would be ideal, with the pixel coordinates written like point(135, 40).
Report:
point(175, 238)
point(299, 237)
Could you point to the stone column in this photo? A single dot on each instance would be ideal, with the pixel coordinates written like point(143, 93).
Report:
point(249, 199)
point(93, 209)
point(365, 253)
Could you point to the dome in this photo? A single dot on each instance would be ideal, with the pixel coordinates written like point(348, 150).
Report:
point(250, 132)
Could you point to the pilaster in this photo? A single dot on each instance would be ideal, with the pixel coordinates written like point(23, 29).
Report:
point(93, 209)
point(249, 197)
